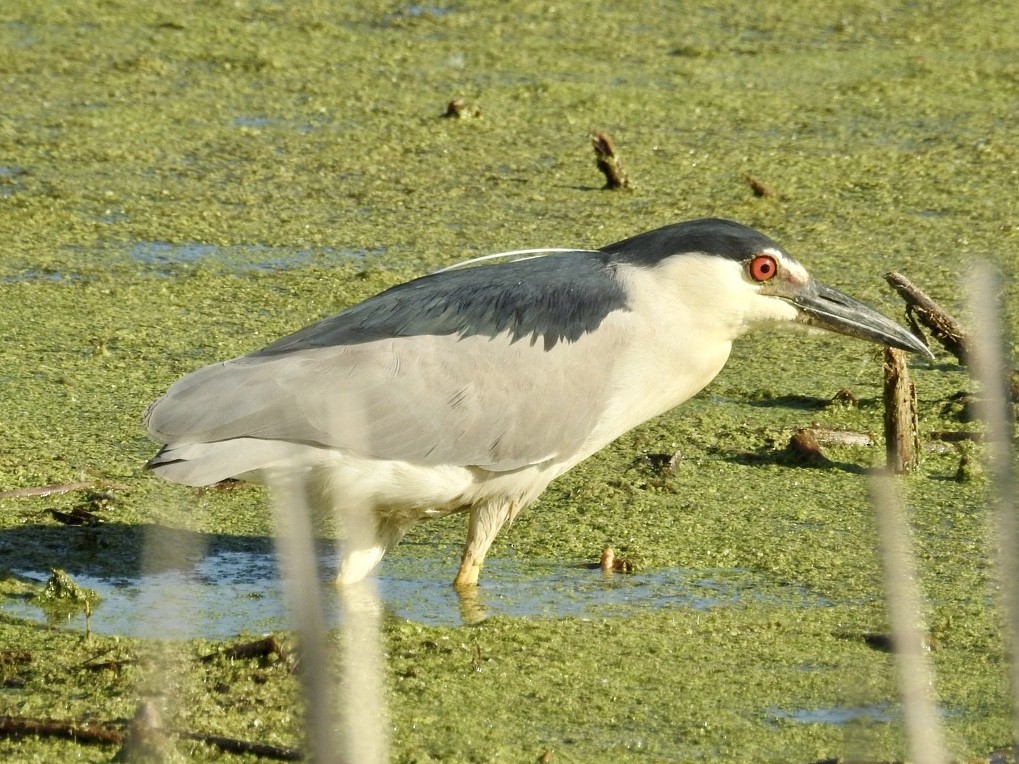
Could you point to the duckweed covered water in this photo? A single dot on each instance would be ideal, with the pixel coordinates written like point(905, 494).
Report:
point(241, 151)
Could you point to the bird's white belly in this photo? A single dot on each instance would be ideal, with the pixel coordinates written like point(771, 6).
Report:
point(406, 492)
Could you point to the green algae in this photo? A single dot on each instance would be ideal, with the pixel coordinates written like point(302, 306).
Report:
point(889, 132)
point(63, 597)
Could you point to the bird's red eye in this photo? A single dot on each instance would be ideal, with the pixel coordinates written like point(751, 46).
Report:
point(763, 268)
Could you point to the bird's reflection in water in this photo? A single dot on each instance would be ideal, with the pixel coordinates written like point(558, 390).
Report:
point(472, 605)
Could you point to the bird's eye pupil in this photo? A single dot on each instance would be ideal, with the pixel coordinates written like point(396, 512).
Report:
point(763, 267)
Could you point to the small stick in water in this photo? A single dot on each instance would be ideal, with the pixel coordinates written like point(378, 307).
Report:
point(607, 159)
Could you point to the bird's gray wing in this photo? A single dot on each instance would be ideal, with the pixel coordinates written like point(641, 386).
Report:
point(495, 366)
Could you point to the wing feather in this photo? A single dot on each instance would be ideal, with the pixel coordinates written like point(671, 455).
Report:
point(494, 366)
point(432, 400)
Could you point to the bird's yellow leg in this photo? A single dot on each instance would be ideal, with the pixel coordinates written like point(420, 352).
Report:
point(485, 523)
point(470, 567)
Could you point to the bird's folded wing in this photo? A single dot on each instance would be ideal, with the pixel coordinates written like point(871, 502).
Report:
point(435, 399)
point(497, 367)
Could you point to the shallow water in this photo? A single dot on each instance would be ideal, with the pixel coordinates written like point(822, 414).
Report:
point(239, 258)
point(232, 592)
point(881, 712)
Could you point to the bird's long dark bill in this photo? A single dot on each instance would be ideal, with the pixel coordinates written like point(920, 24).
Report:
point(830, 309)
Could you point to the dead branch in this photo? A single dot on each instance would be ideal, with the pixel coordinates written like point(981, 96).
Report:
point(49, 490)
point(20, 726)
point(921, 308)
point(232, 745)
point(101, 734)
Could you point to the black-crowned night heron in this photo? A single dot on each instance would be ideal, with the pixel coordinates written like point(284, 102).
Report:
point(469, 390)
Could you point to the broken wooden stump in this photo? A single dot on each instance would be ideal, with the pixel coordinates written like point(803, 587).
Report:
point(607, 160)
point(902, 438)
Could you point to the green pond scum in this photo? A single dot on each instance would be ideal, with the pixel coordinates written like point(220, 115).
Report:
point(184, 182)
point(63, 597)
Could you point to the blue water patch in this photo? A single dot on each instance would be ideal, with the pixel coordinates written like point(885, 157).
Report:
point(415, 10)
point(36, 274)
point(238, 257)
point(880, 712)
point(11, 180)
point(226, 593)
point(164, 258)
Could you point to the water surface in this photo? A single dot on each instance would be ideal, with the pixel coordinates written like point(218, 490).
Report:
point(232, 592)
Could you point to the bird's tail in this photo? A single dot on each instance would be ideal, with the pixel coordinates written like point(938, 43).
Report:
point(201, 464)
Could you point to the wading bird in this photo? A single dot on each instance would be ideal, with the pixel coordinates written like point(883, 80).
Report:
point(470, 389)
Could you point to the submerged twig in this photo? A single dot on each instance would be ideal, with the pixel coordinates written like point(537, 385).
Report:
point(259, 648)
point(146, 720)
point(77, 516)
point(957, 436)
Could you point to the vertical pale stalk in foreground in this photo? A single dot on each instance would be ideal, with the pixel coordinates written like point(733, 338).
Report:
point(987, 363)
point(295, 541)
point(167, 549)
point(923, 727)
point(364, 707)
point(164, 550)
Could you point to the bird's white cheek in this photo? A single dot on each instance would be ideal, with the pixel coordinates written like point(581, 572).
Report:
point(763, 310)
